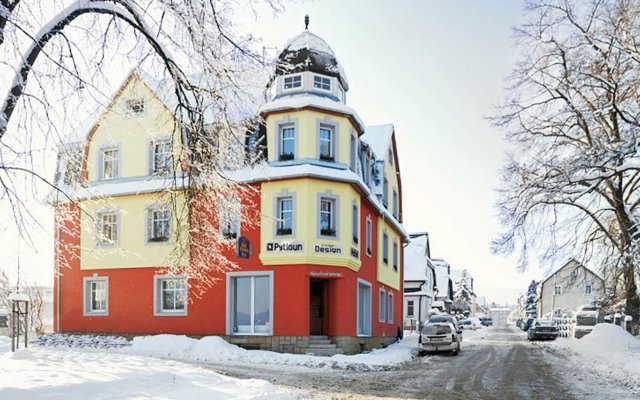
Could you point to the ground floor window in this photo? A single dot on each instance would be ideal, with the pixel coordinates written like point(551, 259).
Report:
point(96, 296)
point(251, 303)
point(364, 308)
point(410, 308)
point(390, 308)
point(170, 295)
point(382, 301)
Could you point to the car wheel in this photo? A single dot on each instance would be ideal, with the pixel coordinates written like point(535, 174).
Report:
point(456, 350)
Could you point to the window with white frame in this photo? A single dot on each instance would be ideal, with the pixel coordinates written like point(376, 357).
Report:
point(96, 295)
point(395, 203)
point(410, 308)
point(135, 106)
point(390, 307)
point(328, 216)
point(355, 223)
point(170, 293)
point(292, 82)
point(587, 289)
point(251, 303)
point(285, 215)
point(158, 224)
point(109, 163)
point(557, 290)
point(395, 255)
point(320, 82)
point(108, 228)
point(364, 308)
point(287, 142)
point(326, 142)
point(368, 235)
point(385, 247)
point(353, 153)
point(382, 301)
point(161, 157)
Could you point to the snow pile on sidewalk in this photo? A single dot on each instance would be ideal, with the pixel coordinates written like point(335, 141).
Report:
point(5, 344)
point(74, 374)
point(610, 347)
point(216, 350)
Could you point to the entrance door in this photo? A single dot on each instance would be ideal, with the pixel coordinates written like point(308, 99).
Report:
point(316, 308)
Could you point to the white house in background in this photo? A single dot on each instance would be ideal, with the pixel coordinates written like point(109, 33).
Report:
point(419, 280)
point(570, 287)
point(444, 285)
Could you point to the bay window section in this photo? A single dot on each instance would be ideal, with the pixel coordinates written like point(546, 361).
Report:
point(287, 143)
point(328, 217)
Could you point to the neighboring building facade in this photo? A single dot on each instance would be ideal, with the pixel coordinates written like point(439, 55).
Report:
point(326, 256)
point(419, 281)
point(444, 284)
point(570, 287)
point(461, 280)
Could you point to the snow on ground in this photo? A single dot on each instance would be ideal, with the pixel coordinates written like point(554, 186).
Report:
point(212, 349)
point(80, 373)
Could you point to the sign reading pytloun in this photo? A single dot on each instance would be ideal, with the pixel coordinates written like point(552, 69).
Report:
point(285, 247)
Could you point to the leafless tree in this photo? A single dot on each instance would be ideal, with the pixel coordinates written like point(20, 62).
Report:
point(571, 186)
point(56, 56)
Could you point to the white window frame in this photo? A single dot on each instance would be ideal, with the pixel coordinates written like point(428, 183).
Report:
point(396, 255)
point(281, 142)
point(353, 152)
point(158, 309)
point(333, 216)
point(101, 240)
point(319, 82)
point(385, 192)
point(390, 306)
point(158, 208)
point(395, 209)
point(87, 295)
point(411, 308)
point(330, 145)
point(230, 303)
point(557, 290)
point(382, 305)
point(132, 102)
point(115, 162)
point(279, 225)
point(363, 330)
point(369, 236)
point(295, 78)
point(153, 146)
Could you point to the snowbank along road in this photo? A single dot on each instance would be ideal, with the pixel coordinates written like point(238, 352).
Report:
point(495, 363)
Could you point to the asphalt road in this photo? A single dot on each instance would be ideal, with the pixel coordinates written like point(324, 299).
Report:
point(498, 363)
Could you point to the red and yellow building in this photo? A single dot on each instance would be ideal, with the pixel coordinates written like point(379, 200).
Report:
point(326, 256)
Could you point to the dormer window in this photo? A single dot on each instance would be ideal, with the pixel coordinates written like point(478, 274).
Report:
point(320, 82)
point(292, 82)
point(135, 106)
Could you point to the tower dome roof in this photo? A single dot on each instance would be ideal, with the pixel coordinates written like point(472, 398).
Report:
point(309, 52)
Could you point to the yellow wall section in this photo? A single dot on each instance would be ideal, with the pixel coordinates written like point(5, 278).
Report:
point(132, 133)
point(307, 134)
point(132, 250)
point(306, 221)
point(386, 273)
point(392, 179)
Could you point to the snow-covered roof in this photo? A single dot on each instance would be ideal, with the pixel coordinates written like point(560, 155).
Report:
point(442, 275)
point(415, 260)
point(300, 101)
point(309, 52)
point(378, 137)
point(19, 297)
point(456, 275)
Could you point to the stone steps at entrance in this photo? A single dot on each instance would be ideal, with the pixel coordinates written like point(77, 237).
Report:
point(320, 345)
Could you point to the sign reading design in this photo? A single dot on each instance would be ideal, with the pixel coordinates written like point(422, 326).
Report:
point(285, 247)
point(327, 249)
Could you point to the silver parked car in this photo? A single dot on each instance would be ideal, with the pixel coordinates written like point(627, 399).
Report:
point(439, 336)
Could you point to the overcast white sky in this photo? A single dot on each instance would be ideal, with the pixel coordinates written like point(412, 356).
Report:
point(434, 69)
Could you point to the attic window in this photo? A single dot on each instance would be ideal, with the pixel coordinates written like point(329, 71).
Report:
point(135, 106)
point(320, 82)
point(292, 82)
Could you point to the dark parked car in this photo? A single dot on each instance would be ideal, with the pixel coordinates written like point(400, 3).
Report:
point(525, 324)
point(543, 329)
point(439, 336)
point(486, 321)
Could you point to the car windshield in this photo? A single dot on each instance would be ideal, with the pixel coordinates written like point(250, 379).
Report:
point(441, 318)
point(436, 329)
point(545, 322)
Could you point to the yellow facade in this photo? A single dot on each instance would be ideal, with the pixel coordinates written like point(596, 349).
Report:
point(386, 273)
point(315, 249)
point(132, 249)
point(307, 123)
point(132, 136)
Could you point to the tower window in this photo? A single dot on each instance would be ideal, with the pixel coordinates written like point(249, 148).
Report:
point(321, 83)
point(326, 143)
point(287, 143)
point(292, 82)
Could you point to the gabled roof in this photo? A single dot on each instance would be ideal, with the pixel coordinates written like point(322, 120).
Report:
point(442, 274)
point(573, 263)
point(378, 137)
point(415, 260)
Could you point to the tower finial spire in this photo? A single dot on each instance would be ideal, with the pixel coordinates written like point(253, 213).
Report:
point(306, 22)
